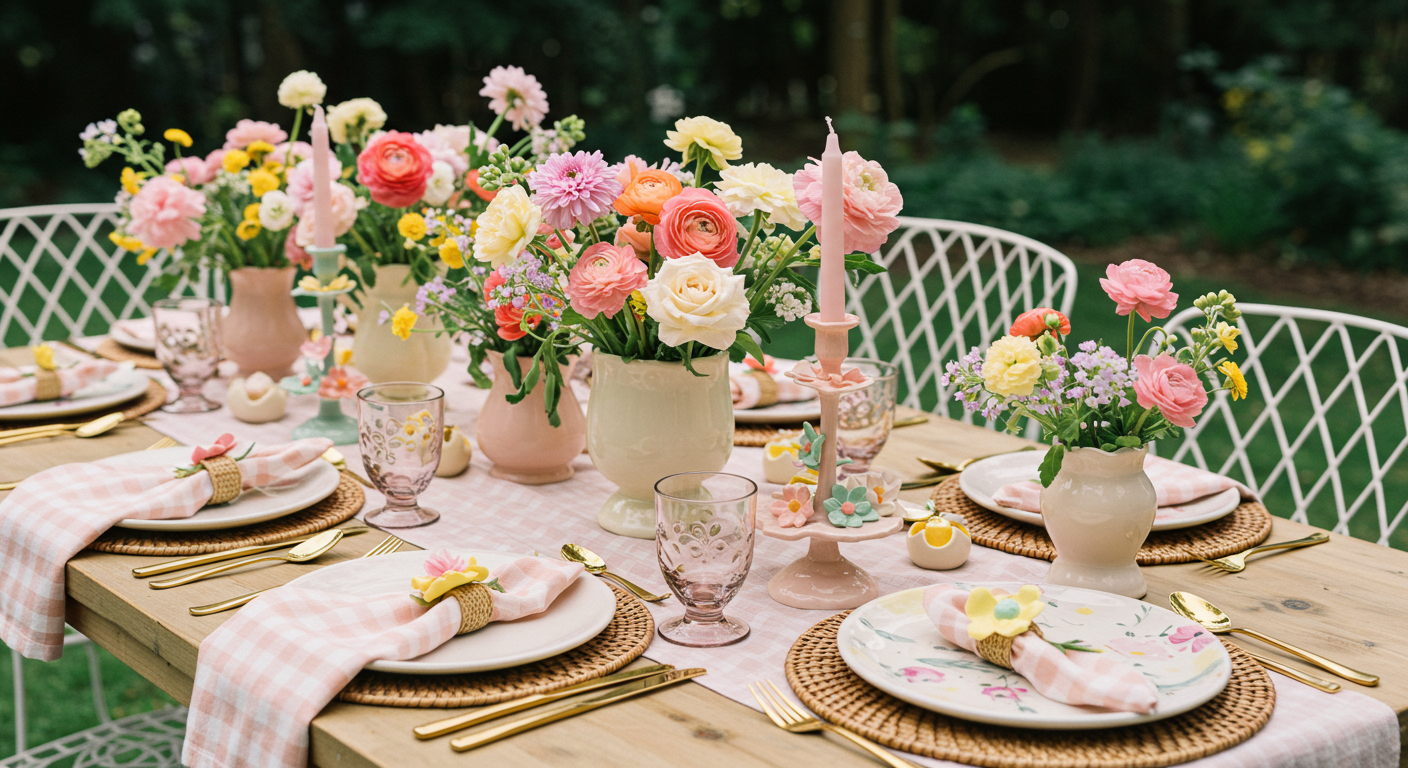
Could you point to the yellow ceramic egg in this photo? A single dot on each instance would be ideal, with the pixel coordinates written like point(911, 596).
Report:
point(938, 544)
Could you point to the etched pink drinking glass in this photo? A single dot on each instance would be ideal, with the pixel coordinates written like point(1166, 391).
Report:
point(188, 342)
point(400, 424)
point(704, 537)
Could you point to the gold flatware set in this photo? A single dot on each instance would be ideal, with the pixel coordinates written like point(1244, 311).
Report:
point(792, 719)
point(387, 546)
point(576, 553)
point(1238, 562)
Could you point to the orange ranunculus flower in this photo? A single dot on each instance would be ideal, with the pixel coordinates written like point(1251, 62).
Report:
point(1032, 323)
point(647, 192)
point(471, 181)
point(639, 241)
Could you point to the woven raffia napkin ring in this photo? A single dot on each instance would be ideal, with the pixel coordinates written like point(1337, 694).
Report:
point(476, 606)
point(225, 476)
point(998, 649)
point(767, 388)
point(46, 385)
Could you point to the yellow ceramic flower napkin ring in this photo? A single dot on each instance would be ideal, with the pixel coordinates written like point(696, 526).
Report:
point(464, 580)
point(995, 620)
point(46, 377)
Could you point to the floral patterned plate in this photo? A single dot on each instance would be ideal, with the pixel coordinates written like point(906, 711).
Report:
point(891, 644)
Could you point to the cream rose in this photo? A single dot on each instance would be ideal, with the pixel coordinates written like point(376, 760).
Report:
point(360, 116)
point(302, 89)
point(506, 227)
point(760, 187)
point(694, 299)
point(441, 184)
point(704, 136)
point(1012, 366)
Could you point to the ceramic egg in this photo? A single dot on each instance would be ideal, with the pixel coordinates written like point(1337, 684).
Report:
point(938, 544)
point(778, 460)
point(256, 399)
point(455, 453)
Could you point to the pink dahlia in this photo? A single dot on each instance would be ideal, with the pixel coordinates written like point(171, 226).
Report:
point(247, 132)
point(603, 278)
point(193, 169)
point(164, 213)
point(573, 188)
point(871, 202)
point(517, 96)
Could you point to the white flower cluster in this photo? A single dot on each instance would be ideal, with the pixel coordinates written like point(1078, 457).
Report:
point(224, 180)
point(789, 301)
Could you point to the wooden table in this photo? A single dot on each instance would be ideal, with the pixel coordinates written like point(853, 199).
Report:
point(1345, 598)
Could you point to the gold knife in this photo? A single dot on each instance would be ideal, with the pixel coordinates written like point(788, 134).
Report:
point(485, 714)
point(1328, 686)
point(229, 554)
point(626, 691)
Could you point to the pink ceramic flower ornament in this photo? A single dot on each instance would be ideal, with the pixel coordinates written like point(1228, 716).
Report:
point(444, 562)
point(222, 445)
point(809, 374)
point(795, 507)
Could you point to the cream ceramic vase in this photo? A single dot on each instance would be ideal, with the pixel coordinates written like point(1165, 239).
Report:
point(647, 420)
point(378, 353)
point(1098, 511)
point(262, 330)
point(517, 437)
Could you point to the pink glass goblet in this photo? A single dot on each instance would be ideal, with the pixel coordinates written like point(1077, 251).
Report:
point(188, 341)
point(704, 538)
point(400, 424)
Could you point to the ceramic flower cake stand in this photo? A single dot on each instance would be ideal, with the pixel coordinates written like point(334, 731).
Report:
point(823, 579)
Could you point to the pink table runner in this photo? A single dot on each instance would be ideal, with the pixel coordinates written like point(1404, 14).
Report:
point(1308, 728)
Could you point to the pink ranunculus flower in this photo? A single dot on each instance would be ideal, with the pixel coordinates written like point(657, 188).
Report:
point(165, 212)
point(1140, 286)
point(222, 446)
point(295, 253)
point(637, 240)
point(872, 202)
point(395, 168)
point(341, 384)
point(194, 169)
point(438, 143)
point(247, 132)
point(795, 507)
point(603, 278)
point(300, 183)
point(1173, 387)
point(697, 221)
point(345, 205)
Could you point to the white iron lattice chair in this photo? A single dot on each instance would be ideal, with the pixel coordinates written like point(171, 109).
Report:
point(949, 286)
point(60, 276)
point(1323, 432)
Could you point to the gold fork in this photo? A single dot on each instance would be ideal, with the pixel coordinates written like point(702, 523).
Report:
point(791, 719)
point(387, 546)
point(164, 442)
point(1238, 562)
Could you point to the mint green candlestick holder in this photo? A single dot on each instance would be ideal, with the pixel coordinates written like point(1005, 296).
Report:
point(330, 422)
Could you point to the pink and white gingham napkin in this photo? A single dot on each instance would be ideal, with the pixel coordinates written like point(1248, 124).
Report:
point(1072, 677)
point(747, 392)
point(53, 515)
point(1174, 483)
point(16, 388)
point(265, 674)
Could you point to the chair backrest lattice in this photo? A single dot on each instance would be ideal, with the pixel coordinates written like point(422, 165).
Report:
point(61, 276)
point(1323, 433)
point(950, 286)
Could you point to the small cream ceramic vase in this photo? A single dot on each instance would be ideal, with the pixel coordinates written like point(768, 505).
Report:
point(517, 437)
point(262, 332)
point(256, 399)
point(1098, 511)
point(382, 356)
point(649, 419)
point(455, 453)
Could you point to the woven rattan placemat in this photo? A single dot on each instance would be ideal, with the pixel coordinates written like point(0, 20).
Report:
point(114, 351)
point(825, 684)
point(1247, 526)
point(759, 435)
point(154, 398)
point(344, 502)
point(625, 638)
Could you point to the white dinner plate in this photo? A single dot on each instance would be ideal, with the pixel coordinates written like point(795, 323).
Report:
point(982, 480)
point(124, 385)
point(303, 489)
point(580, 613)
point(781, 413)
point(892, 644)
point(138, 333)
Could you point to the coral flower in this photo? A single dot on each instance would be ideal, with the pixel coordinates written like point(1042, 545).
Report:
point(795, 507)
point(1032, 323)
point(573, 188)
point(164, 213)
point(638, 241)
point(872, 202)
point(341, 384)
point(1139, 286)
point(471, 182)
point(697, 221)
point(646, 194)
point(1172, 387)
point(395, 169)
point(603, 278)
point(510, 321)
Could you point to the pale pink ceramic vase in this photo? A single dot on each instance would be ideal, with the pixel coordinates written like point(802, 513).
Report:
point(262, 330)
point(517, 437)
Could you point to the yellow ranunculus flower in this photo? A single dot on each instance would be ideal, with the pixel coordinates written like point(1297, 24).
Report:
point(506, 227)
point(259, 148)
point(130, 181)
point(1236, 382)
point(44, 356)
point(273, 166)
point(1012, 366)
point(403, 322)
point(411, 226)
point(1227, 336)
point(262, 181)
point(125, 242)
point(1007, 616)
point(247, 229)
point(235, 160)
point(705, 137)
point(145, 255)
point(450, 254)
point(251, 212)
point(178, 136)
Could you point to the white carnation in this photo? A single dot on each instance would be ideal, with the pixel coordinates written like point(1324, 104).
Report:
point(441, 184)
point(694, 299)
point(354, 118)
point(275, 211)
point(760, 187)
point(302, 89)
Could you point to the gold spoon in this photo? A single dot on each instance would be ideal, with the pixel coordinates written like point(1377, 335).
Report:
point(1190, 606)
point(302, 553)
point(335, 458)
point(92, 429)
point(949, 466)
point(595, 565)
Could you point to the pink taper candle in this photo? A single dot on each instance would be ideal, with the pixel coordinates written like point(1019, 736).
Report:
point(832, 284)
point(322, 183)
